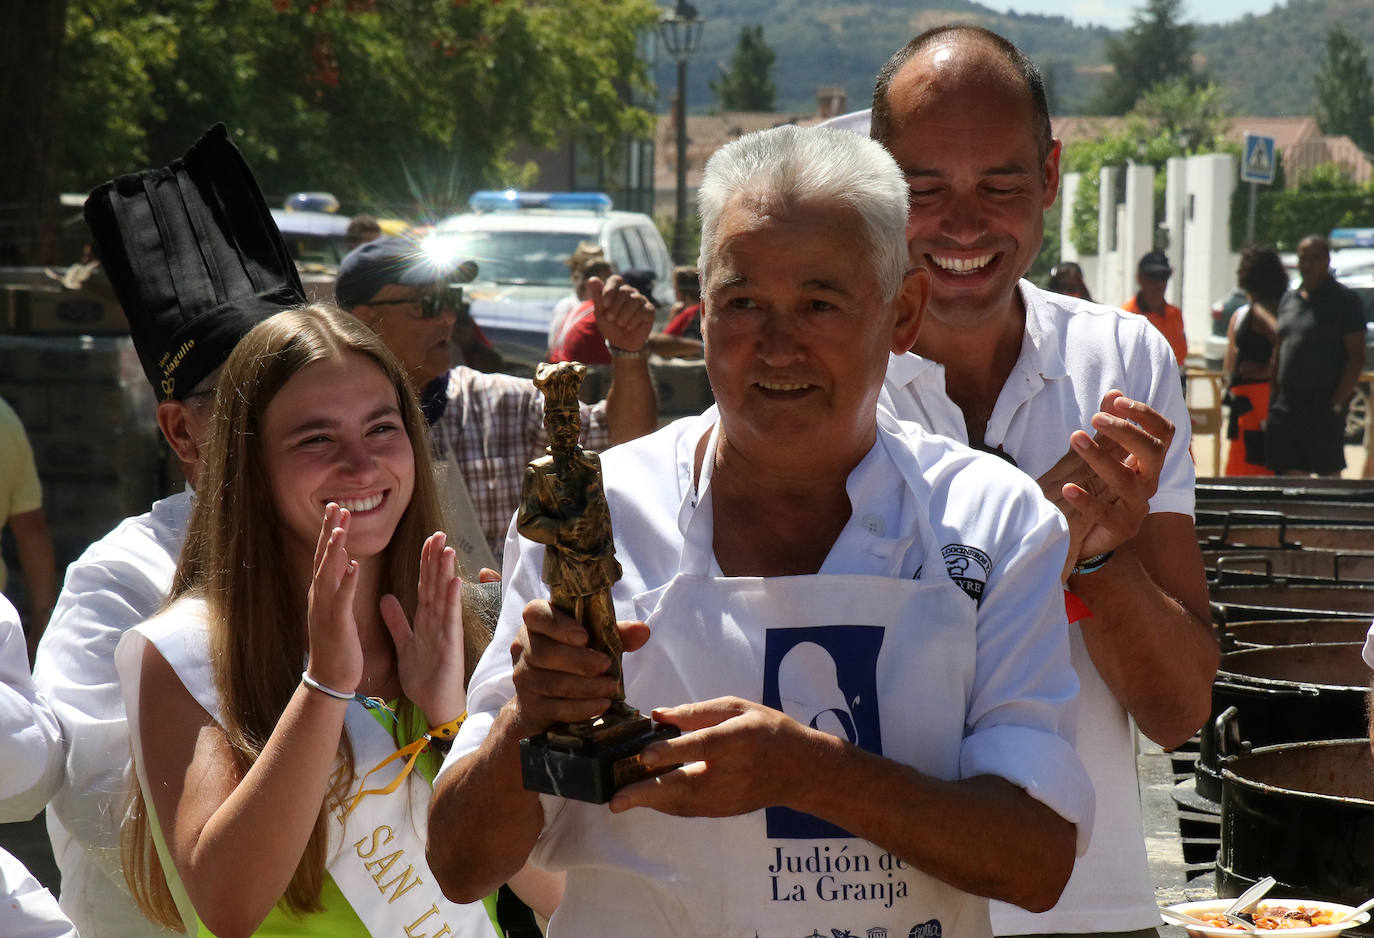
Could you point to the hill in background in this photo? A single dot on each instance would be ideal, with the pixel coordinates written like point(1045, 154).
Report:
point(1266, 62)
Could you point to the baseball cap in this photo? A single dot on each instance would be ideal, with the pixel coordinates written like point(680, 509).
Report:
point(1155, 262)
point(392, 259)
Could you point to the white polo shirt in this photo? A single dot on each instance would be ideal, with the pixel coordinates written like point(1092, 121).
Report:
point(1072, 353)
point(988, 527)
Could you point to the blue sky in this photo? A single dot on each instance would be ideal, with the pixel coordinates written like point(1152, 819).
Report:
point(1117, 14)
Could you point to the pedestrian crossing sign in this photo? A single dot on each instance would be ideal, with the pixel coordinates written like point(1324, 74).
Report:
point(1257, 165)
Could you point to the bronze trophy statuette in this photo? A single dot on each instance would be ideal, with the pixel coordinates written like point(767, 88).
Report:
point(563, 506)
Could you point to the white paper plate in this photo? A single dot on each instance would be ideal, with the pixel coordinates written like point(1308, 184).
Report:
point(1314, 931)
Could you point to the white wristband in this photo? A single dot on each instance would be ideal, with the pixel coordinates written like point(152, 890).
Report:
point(617, 352)
point(310, 682)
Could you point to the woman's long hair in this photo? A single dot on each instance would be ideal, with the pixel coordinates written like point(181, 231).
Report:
point(1262, 275)
point(236, 558)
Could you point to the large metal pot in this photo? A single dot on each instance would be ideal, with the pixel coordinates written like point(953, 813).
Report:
point(1257, 633)
point(1281, 694)
point(1273, 488)
point(1290, 599)
point(1274, 529)
point(1237, 564)
point(1304, 814)
point(1297, 512)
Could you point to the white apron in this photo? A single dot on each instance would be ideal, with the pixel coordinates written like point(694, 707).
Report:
point(884, 661)
point(376, 855)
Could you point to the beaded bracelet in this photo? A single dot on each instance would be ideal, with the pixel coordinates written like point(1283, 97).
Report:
point(1091, 564)
point(328, 691)
point(447, 730)
point(438, 737)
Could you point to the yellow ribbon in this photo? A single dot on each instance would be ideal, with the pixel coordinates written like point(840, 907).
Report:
point(411, 752)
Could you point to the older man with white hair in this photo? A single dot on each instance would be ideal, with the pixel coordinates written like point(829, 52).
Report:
point(857, 626)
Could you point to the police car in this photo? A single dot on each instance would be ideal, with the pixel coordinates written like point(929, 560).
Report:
point(521, 242)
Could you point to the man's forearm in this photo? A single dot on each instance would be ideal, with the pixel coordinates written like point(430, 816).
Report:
point(1154, 651)
point(983, 835)
point(1350, 376)
point(37, 560)
point(631, 405)
point(482, 822)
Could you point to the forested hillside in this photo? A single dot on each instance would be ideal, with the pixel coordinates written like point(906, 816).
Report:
point(1265, 62)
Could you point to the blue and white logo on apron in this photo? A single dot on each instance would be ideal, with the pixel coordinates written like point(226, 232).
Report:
point(824, 677)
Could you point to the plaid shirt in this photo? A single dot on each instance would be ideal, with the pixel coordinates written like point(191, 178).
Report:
point(494, 424)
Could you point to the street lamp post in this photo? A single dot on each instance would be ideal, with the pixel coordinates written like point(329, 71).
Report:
point(680, 30)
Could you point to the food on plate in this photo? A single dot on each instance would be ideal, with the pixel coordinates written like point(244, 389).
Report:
point(1274, 918)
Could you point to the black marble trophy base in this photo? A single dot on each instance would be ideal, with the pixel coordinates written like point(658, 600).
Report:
point(593, 763)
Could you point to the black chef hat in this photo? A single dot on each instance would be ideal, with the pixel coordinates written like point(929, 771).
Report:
point(195, 257)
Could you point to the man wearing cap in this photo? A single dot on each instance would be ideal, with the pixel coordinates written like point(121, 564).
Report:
point(196, 261)
point(1152, 276)
point(487, 427)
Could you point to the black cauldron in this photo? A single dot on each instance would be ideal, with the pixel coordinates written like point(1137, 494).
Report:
point(1288, 598)
point(1281, 694)
point(1304, 814)
point(1266, 633)
point(1261, 565)
point(1275, 529)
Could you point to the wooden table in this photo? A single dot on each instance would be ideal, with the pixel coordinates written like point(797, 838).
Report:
point(1206, 415)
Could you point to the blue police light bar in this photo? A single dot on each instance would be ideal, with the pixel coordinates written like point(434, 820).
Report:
point(1352, 238)
point(492, 200)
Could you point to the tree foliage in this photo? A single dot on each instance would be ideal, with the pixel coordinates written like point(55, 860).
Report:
point(747, 85)
point(1285, 218)
point(30, 56)
point(1156, 49)
point(1345, 91)
point(1172, 119)
point(402, 106)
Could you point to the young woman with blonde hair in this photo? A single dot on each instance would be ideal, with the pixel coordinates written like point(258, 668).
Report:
point(300, 650)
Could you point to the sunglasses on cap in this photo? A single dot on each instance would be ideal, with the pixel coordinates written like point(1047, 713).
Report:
point(444, 299)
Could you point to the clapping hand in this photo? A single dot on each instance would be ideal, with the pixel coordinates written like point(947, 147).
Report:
point(1107, 497)
point(429, 655)
point(336, 654)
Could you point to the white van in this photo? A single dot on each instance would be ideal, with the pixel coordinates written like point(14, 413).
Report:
point(521, 242)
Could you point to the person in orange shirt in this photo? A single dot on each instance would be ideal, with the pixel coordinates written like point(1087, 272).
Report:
point(1152, 276)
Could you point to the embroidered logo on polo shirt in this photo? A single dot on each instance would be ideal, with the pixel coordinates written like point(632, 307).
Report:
point(968, 567)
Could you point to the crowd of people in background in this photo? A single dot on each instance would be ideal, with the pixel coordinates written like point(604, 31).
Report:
point(905, 592)
point(1293, 355)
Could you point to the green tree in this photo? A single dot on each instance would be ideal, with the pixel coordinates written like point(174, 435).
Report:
point(30, 54)
point(747, 85)
point(1156, 48)
point(1345, 92)
point(402, 106)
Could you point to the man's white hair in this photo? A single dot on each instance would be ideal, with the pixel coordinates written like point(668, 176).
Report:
point(814, 165)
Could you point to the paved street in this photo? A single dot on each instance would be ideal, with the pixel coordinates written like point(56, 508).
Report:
point(1162, 839)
